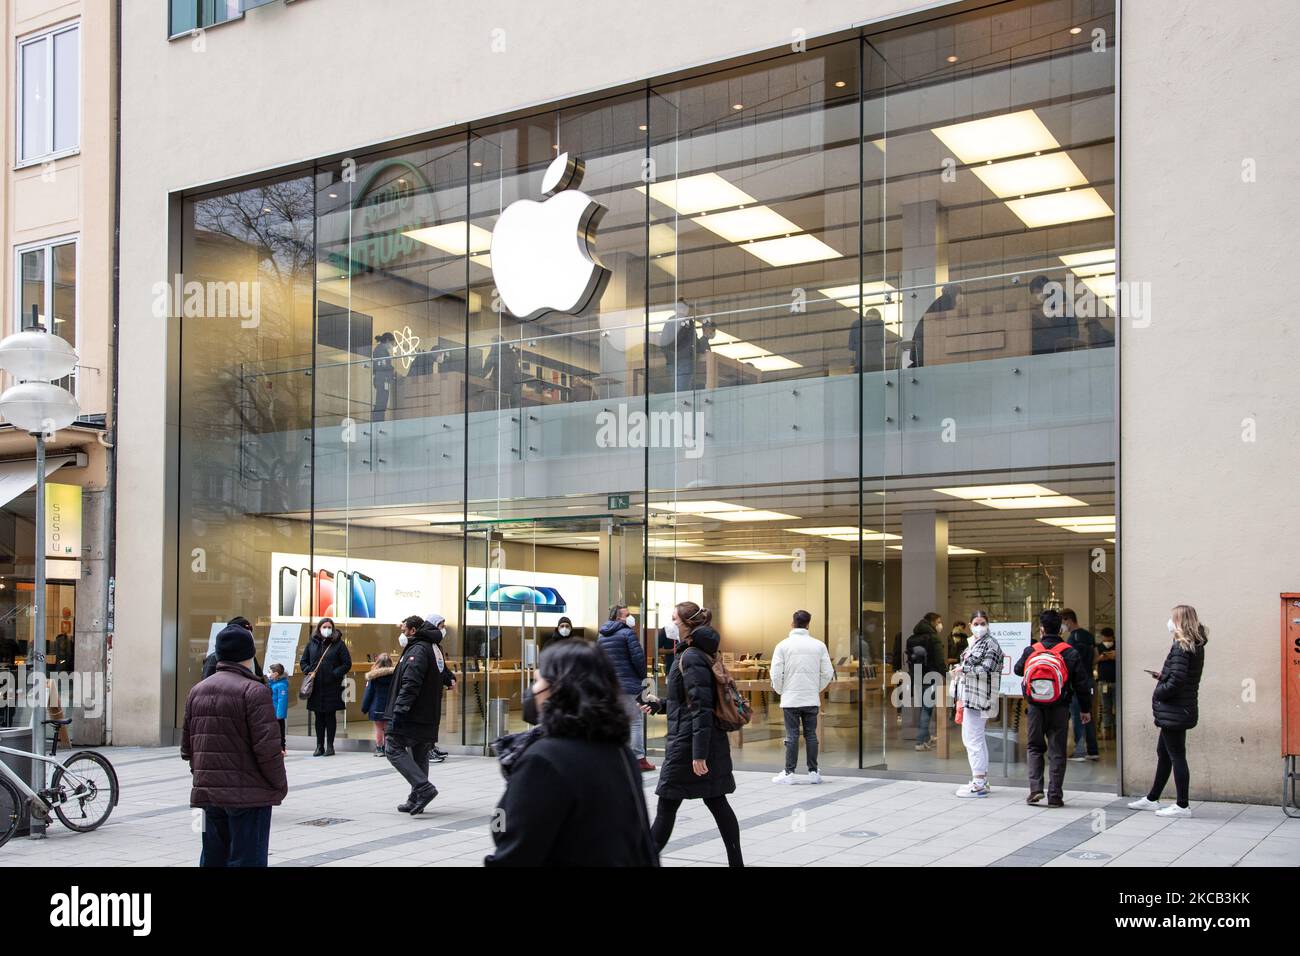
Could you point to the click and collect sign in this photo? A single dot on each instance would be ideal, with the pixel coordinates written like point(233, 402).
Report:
point(1013, 638)
point(62, 521)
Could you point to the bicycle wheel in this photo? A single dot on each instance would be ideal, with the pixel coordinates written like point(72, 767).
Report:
point(85, 789)
point(11, 808)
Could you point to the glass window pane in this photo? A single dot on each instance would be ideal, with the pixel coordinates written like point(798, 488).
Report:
point(67, 90)
point(33, 294)
point(63, 320)
point(35, 124)
point(183, 16)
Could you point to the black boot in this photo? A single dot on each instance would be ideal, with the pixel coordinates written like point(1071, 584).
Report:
point(329, 751)
point(405, 807)
point(423, 800)
point(319, 751)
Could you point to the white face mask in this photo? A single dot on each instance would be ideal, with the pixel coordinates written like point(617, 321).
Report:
point(671, 632)
point(938, 629)
point(631, 620)
point(1170, 624)
point(326, 631)
point(565, 631)
point(402, 639)
point(979, 630)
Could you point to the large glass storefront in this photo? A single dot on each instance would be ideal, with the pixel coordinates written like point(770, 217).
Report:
point(850, 349)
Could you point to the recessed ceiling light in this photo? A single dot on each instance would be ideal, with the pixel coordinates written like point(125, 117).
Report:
point(995, 137)
point(450, 237)
point(1075, 31)
point(1033, 174)
point(334, 195)
point(1055, 208)
point(1013, 497)
point(774, 363)
point(1084, 524)
point(840, 84)
point(742, 225)
point(478, 163)
point(791, 250)
point(738, 106)
point(752, 514)
point(643, 127)
point(952, 59)
point(692, 195)
point(953, 550)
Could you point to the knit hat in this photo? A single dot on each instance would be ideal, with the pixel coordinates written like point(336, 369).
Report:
point(235, 645)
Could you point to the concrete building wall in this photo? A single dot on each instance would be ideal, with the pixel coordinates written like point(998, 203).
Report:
point(1205, 507)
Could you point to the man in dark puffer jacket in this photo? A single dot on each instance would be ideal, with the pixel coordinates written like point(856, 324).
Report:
point(415, 708)
point(232, 742)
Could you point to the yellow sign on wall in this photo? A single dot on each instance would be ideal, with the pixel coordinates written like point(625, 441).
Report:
point(62, 521)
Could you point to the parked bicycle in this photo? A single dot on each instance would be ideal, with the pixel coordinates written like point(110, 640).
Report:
point(82, 789)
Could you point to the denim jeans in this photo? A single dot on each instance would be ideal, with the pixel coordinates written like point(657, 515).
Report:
point(923, 726)
point(235, 837)
point(794, 716)
point(1083, 733)
point(637, 720)
point(1107, 690)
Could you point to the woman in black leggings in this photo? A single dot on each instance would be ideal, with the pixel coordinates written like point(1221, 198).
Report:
point(698, 761)
point(1174, 704)
point(327, 656)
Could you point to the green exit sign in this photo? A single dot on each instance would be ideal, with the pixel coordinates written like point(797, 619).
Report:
point(620, 502)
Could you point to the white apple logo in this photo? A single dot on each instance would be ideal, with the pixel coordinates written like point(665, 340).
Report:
point(541, 251)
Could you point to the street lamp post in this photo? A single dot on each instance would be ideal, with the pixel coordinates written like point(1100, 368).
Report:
point(41, 409)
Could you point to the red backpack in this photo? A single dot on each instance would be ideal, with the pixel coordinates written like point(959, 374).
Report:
point(1046, 674)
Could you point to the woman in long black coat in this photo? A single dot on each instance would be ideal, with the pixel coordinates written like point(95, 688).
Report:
point(326, 698)
point(1175, 708)
point(698, 760)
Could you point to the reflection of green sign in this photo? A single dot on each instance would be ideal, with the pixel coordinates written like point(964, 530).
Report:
point(619, 502)
point(377, 202)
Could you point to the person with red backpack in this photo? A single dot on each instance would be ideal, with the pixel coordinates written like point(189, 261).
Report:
point(701, 708)
point(1053, 673)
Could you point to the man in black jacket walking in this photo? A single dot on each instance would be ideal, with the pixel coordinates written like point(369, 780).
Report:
point(1081, 639)
point(1049, 724)
point(415, 708)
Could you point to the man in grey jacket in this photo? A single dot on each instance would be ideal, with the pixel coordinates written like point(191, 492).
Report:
point(801, 670)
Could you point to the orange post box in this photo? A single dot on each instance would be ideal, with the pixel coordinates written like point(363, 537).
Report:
point(1290, 704)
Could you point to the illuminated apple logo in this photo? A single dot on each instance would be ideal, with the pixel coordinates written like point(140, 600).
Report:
point(541, 251)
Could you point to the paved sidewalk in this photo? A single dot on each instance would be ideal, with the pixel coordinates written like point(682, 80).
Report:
point(341, 812)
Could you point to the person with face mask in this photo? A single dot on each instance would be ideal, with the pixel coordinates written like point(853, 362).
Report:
point(573, 789)
point(210, 662)
point(562, 632)
point(1174, 704)
point(980, 677)
point(926, 664)
point(327, 657)
point(666, 641)
point(619, 640)
point(415, 707)
point(1107, 657)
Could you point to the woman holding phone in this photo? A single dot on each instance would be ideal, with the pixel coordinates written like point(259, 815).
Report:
point(1174, 705)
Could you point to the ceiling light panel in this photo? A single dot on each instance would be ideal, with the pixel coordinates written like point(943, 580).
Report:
point(1033, 174)
point(1052, 209)
point(996, 137)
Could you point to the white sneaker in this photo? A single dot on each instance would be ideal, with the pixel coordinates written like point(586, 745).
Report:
point(1144, 804)
point(814, 776)
point(924, 746)
point(971, 790)
point(783, 777)
point(1174, 810)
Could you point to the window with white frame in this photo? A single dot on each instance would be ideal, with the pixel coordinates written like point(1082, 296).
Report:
point(47, 289)
point(49, 94)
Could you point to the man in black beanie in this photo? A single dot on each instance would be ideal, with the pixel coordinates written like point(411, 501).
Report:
point(210, 662)
point(231, 739)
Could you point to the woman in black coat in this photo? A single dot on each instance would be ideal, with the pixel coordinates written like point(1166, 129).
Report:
point(326, 698)
point(1174, 705)
point(573, 789)
point(698, 760)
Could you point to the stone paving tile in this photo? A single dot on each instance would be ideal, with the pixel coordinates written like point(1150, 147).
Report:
point(847, 821)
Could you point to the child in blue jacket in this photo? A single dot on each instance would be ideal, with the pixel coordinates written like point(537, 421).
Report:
point(379, 682)
point(279, 685)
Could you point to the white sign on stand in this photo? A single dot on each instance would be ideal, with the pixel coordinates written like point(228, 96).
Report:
point(282, 647)
point(217, 628)
point(1013, 638)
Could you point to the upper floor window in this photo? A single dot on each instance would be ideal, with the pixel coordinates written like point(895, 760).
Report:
point(49, 94)
point(47, 290)
point(190, 15)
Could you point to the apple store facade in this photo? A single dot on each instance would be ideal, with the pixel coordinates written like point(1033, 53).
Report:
point(770, 335)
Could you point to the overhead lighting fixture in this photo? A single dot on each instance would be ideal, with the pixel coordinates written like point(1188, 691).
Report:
point(668, 544)
point(1075, 31)
point(738, 106)
point(791, 250)
point(953, 550)
point(874, 295)
point(643, 127)
point(740, 225)
point(1033, 174)
point(740, 351)
point(692, 195)
point(696, 507)
point(748, 555)
point(840, 84)
point(1053, 209)
point(451, 237)
point(996, 137)
point(952, 59)
point(1084, 524)
point(751, 514)
point(1013, 497)
point(846, 533)
point(774, 363)
point(1099, 257)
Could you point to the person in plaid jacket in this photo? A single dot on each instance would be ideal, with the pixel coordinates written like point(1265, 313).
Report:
point(980, 676)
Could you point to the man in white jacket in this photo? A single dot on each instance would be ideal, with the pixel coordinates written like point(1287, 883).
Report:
point(801, 670)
